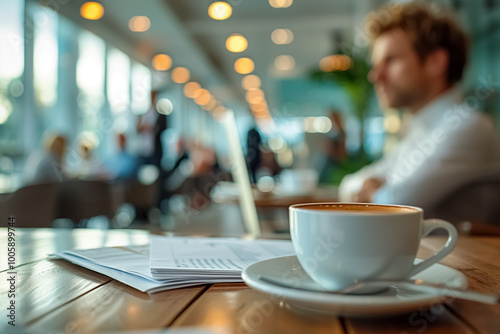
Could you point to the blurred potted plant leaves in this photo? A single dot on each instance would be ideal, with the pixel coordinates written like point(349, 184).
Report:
point(354, 82)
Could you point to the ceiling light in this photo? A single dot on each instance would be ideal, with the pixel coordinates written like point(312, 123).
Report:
point(218, 112)
point(259, 107)
point(180, 75)
point(284, 63)
point(200, 92)
point(164, 106)
point(335, 63)
point(236, 43)
point(250, 81)
point(92, 10)
point(139, 23)
point(256, 100)
point(244, 65)
point(162, 62)
point(255, 92)
point(282, 36)
point(191, 88)
point(220, 10)
point(204, 98)
point(280, 3)
point(211, 104)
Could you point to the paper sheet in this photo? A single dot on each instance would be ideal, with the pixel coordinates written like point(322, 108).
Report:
point(174, 262)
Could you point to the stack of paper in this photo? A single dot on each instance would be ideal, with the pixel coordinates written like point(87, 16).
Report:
point(174, 262)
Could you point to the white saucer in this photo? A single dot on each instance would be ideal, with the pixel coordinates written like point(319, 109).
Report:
point(392, 301)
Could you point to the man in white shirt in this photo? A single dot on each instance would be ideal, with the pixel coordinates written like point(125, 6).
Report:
point(418, 59)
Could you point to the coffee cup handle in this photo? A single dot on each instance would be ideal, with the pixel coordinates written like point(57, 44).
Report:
point(428, 226)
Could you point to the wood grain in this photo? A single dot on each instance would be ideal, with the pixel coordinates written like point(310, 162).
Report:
point(493, 241)
point(431, 320)
point(117, 307)
point(243, 310)
point(35, 244)
point(57, 296)
point(44, 286)
point(480, 262)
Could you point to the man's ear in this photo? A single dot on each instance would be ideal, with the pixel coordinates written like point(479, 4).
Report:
point(437, 63)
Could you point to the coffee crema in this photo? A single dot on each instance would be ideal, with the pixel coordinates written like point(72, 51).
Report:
point(353, 207)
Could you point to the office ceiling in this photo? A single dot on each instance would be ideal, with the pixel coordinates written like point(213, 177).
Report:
point(183, 29)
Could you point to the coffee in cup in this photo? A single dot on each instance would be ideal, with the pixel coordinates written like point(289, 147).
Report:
point(339, 244)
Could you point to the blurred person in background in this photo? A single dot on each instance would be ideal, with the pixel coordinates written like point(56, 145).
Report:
point(150, 128)
point(123, 165)
point(418, 59)
point(48, 166)
point(332, 167)
point(88, 166)
point(253, 155)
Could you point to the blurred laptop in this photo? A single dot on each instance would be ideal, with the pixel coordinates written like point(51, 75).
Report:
point(240, 175)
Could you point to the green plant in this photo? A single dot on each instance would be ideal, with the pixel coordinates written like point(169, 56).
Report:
point(354, 81)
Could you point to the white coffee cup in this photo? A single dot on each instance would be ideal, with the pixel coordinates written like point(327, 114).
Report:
point(339, 244)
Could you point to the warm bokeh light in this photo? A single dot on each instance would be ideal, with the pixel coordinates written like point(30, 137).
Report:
point(204, 97)
point(392, 123)
point(244, 65)
point(218, 112)
point(320, 124)
point(200, 92)
point(92, 10)
point(191, 88)
point(236, 43)
point(162, 62)
point(220, 10)
point(180, 75)
point(259, 107)
point(282, 36)
point(211, 104)
point(255, 96)
point(139, 23)
point(250, 81)
point(284, 63)
point(255, 99)
point(280, 3)
point(335, 63)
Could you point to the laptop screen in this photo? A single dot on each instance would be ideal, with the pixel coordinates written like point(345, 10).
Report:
point(240, 174)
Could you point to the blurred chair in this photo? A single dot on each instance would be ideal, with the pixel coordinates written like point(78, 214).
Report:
point(32, 205)
point(476, 202)
point(84, 199)
point(142, 196)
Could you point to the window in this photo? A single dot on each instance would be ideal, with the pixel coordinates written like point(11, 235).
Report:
point(90, 73)
point(118, 85)
point(141, 89)
point(45, 57)
point(11, 69)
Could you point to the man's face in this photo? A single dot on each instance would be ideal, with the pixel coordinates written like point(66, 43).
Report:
point(398, 74)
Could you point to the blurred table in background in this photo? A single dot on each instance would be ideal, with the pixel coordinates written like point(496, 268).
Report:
point(272, 206)
point(227, 193)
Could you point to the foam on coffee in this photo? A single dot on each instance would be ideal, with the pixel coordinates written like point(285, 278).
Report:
point(352, 207)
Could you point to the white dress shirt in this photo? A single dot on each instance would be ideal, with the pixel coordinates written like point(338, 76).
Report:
point(448, 145)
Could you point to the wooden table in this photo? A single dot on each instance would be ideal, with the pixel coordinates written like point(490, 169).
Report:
point(55, 296)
